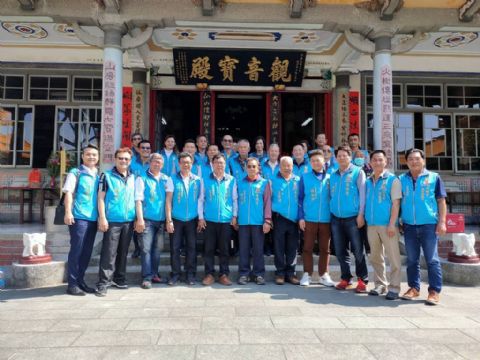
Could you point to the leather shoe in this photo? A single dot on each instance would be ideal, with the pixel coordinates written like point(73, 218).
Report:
point(208, 280)
point(293, 280)
point(75, 291)
point(87, 288)
point(433, 298)
point(224, 280)
point(279, 280)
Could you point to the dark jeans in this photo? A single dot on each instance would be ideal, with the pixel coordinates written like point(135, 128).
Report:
point(285, 238)
point(82, 237)
point(250, 239)
point(148, 243)
point(217, 235)
point(189, 230)
point(344, 232)
point(113, 258)
point(422, 236)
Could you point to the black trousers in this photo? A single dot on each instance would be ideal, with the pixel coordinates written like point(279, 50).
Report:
point(217, 235)
point(113, 258)
point(187, 229)
point(285, 237)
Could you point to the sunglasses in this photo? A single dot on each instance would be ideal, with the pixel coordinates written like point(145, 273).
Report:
point(227, 140)
point(145, 147)
point(123, 158)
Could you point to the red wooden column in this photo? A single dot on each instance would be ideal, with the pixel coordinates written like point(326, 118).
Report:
point(328, 117)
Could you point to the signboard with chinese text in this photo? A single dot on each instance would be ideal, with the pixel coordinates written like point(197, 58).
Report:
point(207, 114)
point(238, 67)
point(387, 113)
point(108, 112)
point(354, 113)
point(343, 115)
point(138, 101)
point(126, 116)
point(275, 118)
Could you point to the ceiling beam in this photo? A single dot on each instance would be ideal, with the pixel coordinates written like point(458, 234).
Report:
point(467, 11)
point(296, 7)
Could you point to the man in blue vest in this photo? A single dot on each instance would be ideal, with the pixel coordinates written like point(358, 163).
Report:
point(150, 195)
point(300, 163)
point(314, 218)
point(116, 213)
point(136, 138)
point(423, 217)
point(383, 194)
point(138, 167)
point(271, 166)
point(354, 143)
point(330, 164)
point(254, 220)
point(238, 164)
point(347, 205)
point(285, 187)
point(81, 190)
point(181, 214)
point(218, 208)
point(190, 147)
point(201, 154)
point(207, 164)
point(227, 144)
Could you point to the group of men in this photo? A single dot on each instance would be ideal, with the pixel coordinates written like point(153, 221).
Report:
point(309, 196)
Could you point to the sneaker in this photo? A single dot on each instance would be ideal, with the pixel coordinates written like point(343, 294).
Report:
point(433, 298)
point(259, 280)
point(305, 280)
point(242, 280)
point(392, 295)
point(361, 287)
point(378, 290)
point(75, 291)
point(157, 279)
point(86, 288)
point(146, 284)
point(292, 280)
point(343, 285)
point(411, 294)
point(326, 280)
point(224, 280)
point(173, 281)
point(208, 280)
point(101, 291)
point(119, 285)
point(191, 281)
point(279, 279)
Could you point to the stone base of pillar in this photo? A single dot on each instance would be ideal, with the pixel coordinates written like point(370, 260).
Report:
point(38, 275)
point(32, 260)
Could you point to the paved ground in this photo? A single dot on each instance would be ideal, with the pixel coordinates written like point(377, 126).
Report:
point(270, 322)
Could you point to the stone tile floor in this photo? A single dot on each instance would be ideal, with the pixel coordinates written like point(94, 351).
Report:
point(251, 322)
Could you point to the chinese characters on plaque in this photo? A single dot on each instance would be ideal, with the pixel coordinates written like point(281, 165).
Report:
point(108, 126)
point(354, 113)
point(138, 96)
point(344, 115)
point(275, 111)
point(126, 116)
point(206, 106)
point(238, 67)
point(387, 112)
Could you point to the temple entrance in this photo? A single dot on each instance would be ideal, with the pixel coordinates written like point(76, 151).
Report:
point(240, 115)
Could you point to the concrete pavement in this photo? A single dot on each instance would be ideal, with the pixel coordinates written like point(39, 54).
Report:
point(251, 322)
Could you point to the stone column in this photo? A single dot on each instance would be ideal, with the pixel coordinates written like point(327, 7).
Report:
point(139, 103)
point(382, 97)
point(341, 120)
point(112, 95)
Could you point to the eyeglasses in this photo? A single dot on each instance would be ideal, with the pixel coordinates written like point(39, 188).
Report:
point(145, 147)
point(251, 166)
point(227, 140)
point(123, 158)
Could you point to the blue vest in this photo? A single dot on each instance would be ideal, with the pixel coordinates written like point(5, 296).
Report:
point(200, 158)
point(119, 199)
point(267, 172)
point(237, 169)
point(185, 205)
point(316, 203)
point(207, 169)
point(233, 154)
point(218, 204)
point(261, 158)
point(196, 168)
point(344, 195)
point(378, 202)
point(170, 163)
point(332, 167)
point(250, 201)
point(138, 168)
point(285, 196)
point(301, 169)
point(419, 205)
point(85, 197)
point(154, 197)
